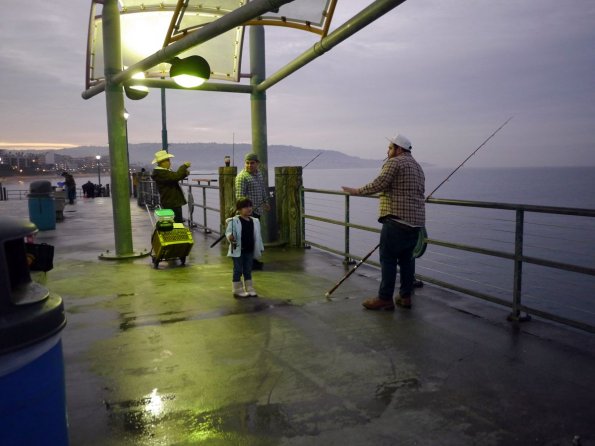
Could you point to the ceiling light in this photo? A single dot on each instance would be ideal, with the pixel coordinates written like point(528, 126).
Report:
point(136, 92)
point(189, 72)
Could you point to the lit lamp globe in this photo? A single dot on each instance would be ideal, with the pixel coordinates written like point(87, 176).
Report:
point(190, 72)
point(136, 92)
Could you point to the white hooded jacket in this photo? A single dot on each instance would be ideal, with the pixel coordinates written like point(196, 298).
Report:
point(234, 226)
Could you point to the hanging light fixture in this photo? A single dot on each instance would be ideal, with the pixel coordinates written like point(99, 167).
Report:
point(136, 92)
point(189, 72)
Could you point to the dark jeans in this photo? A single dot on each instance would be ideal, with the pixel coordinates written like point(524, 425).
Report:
point(71, 194)
point(396, 248)
point(178, 216)
point(242, 265)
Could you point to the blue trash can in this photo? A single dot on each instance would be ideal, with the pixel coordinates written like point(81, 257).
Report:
point(32, 388)
point(42, 208)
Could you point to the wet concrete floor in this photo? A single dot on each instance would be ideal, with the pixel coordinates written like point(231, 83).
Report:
point(168, 357)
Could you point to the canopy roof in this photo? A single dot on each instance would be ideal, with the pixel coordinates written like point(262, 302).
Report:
point(148, 26)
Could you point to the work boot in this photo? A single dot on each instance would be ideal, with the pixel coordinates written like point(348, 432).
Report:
point(403, 301)
point(238, 290)
point(249, 289)
point(375, 303)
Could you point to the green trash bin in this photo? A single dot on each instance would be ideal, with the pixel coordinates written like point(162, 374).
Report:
point(42, 209)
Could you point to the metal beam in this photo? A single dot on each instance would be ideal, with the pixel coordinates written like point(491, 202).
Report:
point(350, 27)
point(229, 21)
point(207, 86)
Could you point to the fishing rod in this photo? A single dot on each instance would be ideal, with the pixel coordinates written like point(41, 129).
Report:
point(232, 213)
point(419, 250)
point(312, 160)
point(346, 276)
point(474, 152)
point(218, 240)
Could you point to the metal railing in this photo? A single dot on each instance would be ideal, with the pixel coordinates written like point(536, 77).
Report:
point(204, 205)
point(13, 194)
point(22, 194)
point(148, 196)
point(517, 256)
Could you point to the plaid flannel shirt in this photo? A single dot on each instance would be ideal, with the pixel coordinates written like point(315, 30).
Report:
point(252, 187)
point(401, 184)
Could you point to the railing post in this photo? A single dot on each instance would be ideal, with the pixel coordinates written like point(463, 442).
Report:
point(227, 199)
point(288, 186)
point(347, 260)
point(204, 209)
point(190, 207)
point(302, 216)
point(515, 315)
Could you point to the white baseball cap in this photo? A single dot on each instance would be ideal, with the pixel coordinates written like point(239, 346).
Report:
point(401, 141)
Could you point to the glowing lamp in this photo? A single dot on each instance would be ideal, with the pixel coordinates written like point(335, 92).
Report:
point(190, 72)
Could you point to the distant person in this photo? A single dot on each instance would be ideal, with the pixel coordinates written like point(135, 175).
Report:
point(70, 186)
point(135, 176)
point(243, 233)
point(167, 180)
point(89, 189)
point(250, 184)
point(401, 184)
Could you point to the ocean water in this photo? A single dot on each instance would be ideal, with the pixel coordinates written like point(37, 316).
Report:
point(560, 238)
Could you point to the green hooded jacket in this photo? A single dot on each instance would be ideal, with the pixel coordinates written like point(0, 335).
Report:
point(170, 192)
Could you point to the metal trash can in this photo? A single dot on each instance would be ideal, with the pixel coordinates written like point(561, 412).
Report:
point(42, 209)
point(32, 388)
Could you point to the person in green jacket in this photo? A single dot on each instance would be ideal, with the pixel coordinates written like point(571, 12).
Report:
point(167, 181)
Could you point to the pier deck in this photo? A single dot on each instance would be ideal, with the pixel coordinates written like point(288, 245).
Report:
point(169, 357)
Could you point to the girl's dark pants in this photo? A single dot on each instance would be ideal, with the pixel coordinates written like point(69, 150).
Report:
point(242, 265)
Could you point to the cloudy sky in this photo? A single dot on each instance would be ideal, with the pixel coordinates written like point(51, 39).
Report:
point(444, 73)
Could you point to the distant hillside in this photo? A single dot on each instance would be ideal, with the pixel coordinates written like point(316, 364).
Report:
point(210, 155)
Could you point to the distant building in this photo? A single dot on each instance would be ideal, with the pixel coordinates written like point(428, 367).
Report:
point(39, 163)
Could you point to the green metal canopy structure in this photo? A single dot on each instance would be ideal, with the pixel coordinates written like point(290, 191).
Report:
point(133, 43)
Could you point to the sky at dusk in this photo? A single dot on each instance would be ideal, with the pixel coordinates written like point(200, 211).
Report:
point(444, 73)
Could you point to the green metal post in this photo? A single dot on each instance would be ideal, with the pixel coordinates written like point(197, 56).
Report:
point(116, 128)
point(259, 112)
point(518, 270)
point(347, 260)
point(164, 143)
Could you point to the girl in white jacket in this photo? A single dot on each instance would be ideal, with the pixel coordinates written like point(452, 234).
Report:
point(243, 233)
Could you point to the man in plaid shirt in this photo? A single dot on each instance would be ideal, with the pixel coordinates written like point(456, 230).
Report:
point(401, 184)
point(250, 184)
